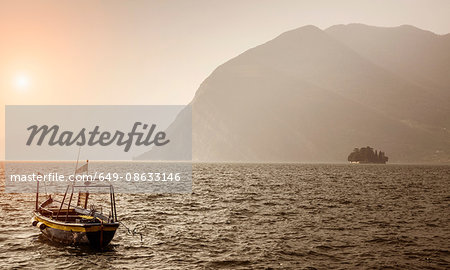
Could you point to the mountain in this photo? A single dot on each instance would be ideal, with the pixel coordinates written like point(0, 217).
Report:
point(312, 95)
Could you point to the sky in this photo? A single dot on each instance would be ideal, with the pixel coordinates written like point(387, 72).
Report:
point(158, 52)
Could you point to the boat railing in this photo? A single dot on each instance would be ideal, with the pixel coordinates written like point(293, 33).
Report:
point(113, 215)
point(80, 210)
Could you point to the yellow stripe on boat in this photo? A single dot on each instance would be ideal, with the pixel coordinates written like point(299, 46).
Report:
point(86, 217)
point(75, 228)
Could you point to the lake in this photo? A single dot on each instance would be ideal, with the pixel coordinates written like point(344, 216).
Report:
point(264, 216)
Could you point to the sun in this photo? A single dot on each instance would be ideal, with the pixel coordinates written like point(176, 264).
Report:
point(21, 82)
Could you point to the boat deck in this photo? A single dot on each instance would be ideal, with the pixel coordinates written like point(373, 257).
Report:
point(51, 209)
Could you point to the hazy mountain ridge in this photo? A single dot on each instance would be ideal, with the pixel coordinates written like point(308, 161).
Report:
point(312, 96)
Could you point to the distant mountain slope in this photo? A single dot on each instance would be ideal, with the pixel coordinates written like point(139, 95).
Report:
point(415, 54)
point(312, 96)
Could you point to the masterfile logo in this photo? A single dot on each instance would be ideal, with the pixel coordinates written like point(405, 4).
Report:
point(95, 136)
point(103, 132)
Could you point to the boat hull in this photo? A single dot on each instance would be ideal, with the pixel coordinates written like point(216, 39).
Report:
point(96, 235)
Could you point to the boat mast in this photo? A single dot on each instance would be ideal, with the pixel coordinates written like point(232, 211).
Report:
point(37, 195)
point(78, 157)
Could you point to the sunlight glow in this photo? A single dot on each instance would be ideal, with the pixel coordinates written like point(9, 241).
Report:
point(21, 82)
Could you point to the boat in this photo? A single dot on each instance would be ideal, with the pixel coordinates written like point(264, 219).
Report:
point(67, 223)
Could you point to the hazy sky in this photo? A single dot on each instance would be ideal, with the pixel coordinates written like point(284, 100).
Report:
point(158, 52)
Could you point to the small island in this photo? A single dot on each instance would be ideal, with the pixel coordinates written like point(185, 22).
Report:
point(367, 155)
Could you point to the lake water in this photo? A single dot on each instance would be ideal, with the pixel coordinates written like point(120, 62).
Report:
point(263, 216)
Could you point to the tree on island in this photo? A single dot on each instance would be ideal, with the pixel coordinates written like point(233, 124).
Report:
point(367, 155)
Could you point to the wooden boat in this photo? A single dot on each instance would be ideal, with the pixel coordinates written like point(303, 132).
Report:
point(70, 224)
